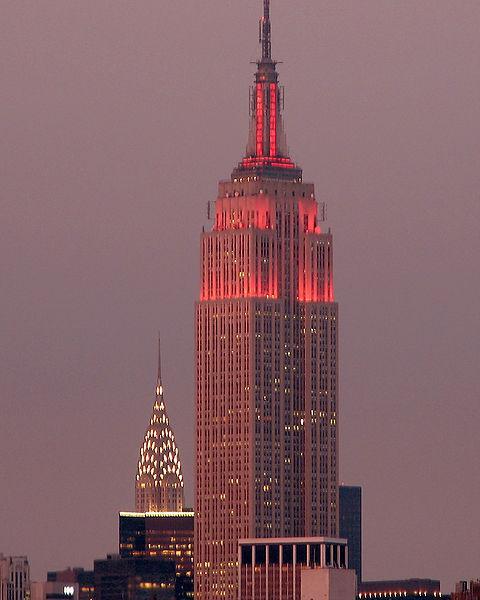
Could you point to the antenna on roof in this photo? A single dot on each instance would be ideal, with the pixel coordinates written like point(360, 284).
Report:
point(266, 32)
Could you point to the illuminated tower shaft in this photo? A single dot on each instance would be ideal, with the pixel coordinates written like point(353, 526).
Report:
point(266, 356)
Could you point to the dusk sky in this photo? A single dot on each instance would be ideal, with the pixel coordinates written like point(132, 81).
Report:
point(117, 120)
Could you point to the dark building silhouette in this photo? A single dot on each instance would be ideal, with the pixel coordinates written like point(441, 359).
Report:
point(165, 536)
point(407, 589)
point(134, 579)
point(86, 585)
point(350, 525)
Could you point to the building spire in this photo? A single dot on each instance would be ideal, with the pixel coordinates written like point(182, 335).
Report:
point(159, 480)
point(267, 153)
point(159, 388)
point(266, 32)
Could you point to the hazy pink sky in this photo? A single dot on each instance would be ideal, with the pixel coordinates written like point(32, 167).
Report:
point(117, 120)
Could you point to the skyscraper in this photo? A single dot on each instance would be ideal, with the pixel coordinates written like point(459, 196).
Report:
point(159, 480)
point(266, 354)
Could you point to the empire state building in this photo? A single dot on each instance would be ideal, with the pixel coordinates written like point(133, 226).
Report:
point(266, 353)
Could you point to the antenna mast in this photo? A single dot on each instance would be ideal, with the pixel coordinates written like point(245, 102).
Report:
point(266, 32)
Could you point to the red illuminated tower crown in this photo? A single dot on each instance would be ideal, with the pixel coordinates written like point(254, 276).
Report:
point(267, 152)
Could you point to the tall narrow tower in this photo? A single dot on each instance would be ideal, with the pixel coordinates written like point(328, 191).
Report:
point(266, 354)
point(159, 480)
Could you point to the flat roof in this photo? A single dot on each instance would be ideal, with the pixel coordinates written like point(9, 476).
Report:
point(293, 540)
point(157, 514)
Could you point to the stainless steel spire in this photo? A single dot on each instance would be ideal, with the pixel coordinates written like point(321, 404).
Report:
point(159, 480)
point(159, 388)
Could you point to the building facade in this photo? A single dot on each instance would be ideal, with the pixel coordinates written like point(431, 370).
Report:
point(408, 589)
point(54, 590)
point(166, 536)
point(86, 585)
point(69, 584)
point(266, 354)
point(118, 578)
point(14, 578)
point(467, 591)
point(159, 480)
point(295, 569)
point(350, 524)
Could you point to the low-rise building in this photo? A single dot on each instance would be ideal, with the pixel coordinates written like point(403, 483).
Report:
point(408, 589)
point(119, 578)
point(467, 591)
point(14, 578)
point(313, 568)
point(70, 584)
